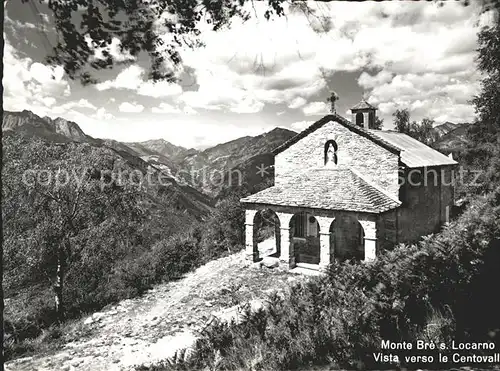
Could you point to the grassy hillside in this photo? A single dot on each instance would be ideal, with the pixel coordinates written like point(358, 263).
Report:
point(118, 235)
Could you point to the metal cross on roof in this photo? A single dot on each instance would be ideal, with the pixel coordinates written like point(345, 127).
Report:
point(332, 99)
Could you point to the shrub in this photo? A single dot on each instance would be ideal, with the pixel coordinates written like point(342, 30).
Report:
point(175, 256)
point(341, 319)
point(224, 231)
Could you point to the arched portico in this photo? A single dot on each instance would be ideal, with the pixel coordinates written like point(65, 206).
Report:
point(266, 234)
point(305, 238)
point(348, 238)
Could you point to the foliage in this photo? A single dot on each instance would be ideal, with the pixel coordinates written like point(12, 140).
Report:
point(402, 120)
point(225, 230)
point(379, 123)
point(157, 28)
point(122, 240)
point(422, 132)
point(483, 152)
point(436, 290)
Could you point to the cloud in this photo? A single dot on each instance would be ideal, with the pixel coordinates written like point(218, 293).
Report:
point(132, 78)
point(159, 89)
point(370, 81)
point(301, 125)
point(102, 114)
point(130, 107)
point(165, 108)
point(129, 78)
point(287, 61)
point(82, 103)
point(442, 97)
point(222, 97)
point(247, 105)
point(315, 108)
point(31, 84)
point(432, 74)
point(297, 103)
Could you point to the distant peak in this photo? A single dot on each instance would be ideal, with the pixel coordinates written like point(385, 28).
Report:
point(279, 130)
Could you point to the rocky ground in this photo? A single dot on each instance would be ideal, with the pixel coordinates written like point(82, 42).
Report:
point(168, 318)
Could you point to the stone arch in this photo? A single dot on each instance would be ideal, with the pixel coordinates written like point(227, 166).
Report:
point(360, 119)
point(266, 234)
point(347, 238)
point(328, 144)
point(304, 238)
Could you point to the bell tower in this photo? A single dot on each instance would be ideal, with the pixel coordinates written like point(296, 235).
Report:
point(363, 114)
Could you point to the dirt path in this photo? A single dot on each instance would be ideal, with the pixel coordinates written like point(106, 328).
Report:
point(151, 328)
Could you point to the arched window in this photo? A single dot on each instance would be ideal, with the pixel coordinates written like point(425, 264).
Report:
point(331, 152)
point(359, 119)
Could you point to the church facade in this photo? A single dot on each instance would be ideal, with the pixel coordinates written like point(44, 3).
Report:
point(344, 190)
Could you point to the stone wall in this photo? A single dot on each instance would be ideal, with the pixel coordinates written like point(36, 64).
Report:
point(426, 194)
point(447, 193)
point(377, 164)
point(387, 230)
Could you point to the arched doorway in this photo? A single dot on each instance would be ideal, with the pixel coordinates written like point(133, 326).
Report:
point(266, 231)
point(347, 238)
point(304, 238)
point(360, 119)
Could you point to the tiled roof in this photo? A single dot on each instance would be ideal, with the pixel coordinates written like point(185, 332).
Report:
point(328, 189)
point(413, 153)
point(362, 105)
point(334, 117)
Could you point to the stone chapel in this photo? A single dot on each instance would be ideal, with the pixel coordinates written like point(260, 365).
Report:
point(344, 190)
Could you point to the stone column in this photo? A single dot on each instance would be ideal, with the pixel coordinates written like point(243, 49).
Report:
point(287, 254)
point(326, 253)
point(249, 235)
point(370, 229)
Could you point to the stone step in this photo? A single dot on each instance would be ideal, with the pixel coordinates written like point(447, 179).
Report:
point(307, 269)
point(307, 266)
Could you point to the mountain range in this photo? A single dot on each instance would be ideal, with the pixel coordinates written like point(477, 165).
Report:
point(198, 175)
point(180, 196)
point(445, 128)
point(453, 140)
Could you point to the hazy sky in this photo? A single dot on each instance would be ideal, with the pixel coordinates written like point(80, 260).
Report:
point(261, 74)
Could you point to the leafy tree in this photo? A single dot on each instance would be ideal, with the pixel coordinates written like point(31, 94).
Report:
point(158, 28)
point(379, 123)
point(484, 136)
point(402, 120)
point(225, 228)
point(424, 132)
point(54, 197)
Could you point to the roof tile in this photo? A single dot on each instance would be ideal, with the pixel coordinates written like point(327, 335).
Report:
point(328, 189)
point(362, 105)
point(414, 153)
